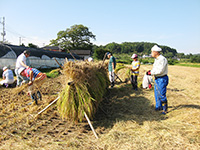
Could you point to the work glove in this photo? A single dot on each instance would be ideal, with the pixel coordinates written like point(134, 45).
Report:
point(148, 72)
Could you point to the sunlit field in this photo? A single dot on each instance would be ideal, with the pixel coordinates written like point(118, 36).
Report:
point(125, 119)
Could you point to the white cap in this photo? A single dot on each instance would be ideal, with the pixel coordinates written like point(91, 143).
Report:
point(156, 48)
point(90, 59)
point(20, 70)
point(134, 56)
point(4, 68)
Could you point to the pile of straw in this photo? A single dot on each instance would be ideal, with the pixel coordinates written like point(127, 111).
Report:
point(89, 82)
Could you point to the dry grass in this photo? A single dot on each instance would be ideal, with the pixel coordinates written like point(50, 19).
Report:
point(126, 119)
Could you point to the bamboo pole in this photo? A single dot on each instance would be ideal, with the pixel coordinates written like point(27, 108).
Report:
point(58, 63)
point(104, 59)
point(71, 55)
point(90, 125)
point(49, 105)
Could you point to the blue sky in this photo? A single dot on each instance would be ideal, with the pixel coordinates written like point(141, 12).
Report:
point(174, 23)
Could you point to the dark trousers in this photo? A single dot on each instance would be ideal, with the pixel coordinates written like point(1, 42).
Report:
point(134, 82)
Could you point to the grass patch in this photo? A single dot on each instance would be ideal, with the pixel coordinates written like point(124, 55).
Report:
point(189, 64)
point(52, 73)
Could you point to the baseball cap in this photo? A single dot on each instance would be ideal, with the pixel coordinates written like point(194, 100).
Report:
point(134, 56)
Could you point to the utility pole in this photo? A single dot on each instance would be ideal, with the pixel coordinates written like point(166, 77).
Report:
point(4, 32)
point(20, 39)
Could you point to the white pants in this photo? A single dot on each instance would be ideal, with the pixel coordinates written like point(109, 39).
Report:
point(146, 81)
point(7, 81)
point(111, 76)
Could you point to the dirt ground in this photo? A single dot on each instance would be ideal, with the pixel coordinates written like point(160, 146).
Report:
point(21, 128)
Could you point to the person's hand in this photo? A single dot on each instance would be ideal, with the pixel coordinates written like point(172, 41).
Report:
point(30, 83)
point(148, 72)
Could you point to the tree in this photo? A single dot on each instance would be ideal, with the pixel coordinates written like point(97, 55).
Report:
point(99, 53)
point(76, 37)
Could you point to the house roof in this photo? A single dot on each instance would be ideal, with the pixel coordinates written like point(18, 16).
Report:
point(81, 52)
point(51, 47)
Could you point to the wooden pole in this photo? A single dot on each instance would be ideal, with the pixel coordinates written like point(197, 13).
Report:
point(71, 55)
point(49, 105)
point(58, 62)
point(104, 58)
point(90, 125)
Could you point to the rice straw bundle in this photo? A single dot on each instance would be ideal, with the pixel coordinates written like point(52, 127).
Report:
point(37, 82)
point(89, 84)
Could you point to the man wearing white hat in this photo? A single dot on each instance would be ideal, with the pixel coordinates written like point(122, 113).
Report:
point(8, 77)
point(159, 70)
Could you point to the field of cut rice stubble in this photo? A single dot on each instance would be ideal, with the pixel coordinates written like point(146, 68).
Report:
point(125, 120)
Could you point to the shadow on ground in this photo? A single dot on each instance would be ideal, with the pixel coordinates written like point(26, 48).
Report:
point(123, 104)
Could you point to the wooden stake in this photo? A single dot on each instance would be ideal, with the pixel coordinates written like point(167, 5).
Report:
point(90, 125)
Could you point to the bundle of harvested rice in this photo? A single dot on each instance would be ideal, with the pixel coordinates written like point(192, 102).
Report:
point(37, 83)
point(86, 83)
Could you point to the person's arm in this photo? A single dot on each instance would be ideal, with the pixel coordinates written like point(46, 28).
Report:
point(31, 77)
point(4, 77)
point(134, 69)
point(23, 64)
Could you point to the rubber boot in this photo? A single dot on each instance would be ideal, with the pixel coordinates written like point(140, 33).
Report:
point(164, 107)
point(34, 98)
point(112, 84)
point(39, 95)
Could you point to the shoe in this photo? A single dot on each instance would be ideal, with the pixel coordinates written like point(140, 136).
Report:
point(39, 95)
point(164, 113)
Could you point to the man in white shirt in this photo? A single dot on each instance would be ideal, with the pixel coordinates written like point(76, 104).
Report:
point(8, 77)
point(159, 70)
point(21, 63)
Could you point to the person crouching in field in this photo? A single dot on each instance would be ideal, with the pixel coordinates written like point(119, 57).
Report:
point(8, 77)
point(36, 78)
point(159, 70)
point(135, 71)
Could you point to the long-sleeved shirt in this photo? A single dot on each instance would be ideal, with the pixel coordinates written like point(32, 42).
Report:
point(160, 66)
